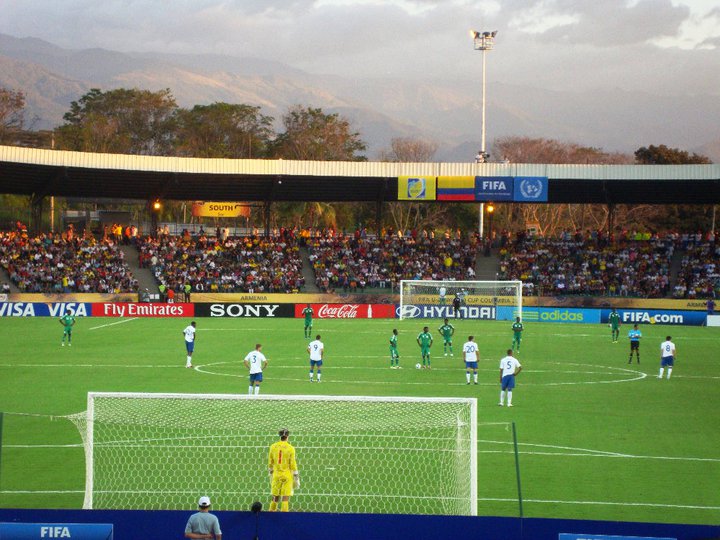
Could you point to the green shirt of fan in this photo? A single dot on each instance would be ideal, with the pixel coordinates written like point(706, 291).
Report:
point(517, 328)
point(614, 320)
point(68, 321)
point(447, 331)
point(425, 339)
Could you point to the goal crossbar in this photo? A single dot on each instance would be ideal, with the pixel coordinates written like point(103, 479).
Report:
point(433, 298)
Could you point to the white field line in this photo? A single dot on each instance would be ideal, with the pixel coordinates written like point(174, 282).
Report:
point(604, 503)
point(113, 324)
point(588, 452)
point(565, 451)
point(366, 495)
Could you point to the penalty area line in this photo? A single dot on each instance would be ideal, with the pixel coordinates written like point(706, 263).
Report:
point(113, 324)
point(604, 503)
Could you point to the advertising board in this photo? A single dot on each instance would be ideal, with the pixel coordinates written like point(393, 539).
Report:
point(255, 311)
point(348, 311)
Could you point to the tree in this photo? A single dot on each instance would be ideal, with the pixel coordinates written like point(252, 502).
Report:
point(662, 155)
point(12, 114)
point(552, 218)
point(310, 134)
point(121, 121)
point(407, 215)
point(223, 130)
point(409, 150)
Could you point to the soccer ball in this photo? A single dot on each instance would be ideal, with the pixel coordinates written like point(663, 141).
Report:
point(417, 366)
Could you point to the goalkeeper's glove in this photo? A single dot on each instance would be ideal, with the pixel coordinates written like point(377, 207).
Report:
point(296, 481)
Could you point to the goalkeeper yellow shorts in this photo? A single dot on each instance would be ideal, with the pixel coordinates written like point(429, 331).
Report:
point(281, 485)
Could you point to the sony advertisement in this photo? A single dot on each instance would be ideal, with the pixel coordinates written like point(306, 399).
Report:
point(254, 311)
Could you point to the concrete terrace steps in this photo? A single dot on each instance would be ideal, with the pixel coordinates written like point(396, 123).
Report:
point(146, 279)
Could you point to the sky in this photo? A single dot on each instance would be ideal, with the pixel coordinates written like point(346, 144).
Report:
point(669, 47)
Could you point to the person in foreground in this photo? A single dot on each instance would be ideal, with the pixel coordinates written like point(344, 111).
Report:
point(203, 524)
point(509, 368)
point(284, 474)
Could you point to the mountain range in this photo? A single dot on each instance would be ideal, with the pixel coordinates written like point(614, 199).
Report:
point(380, 109)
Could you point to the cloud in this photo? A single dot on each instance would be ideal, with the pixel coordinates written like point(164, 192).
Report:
point(610, 23)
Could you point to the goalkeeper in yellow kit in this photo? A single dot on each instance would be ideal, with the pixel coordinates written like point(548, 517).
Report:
point(283, 472)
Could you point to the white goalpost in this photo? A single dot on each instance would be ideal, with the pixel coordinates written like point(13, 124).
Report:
point(355, 454)
point(479, 299)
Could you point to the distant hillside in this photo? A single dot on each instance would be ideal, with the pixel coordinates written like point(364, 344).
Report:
point(446, 111)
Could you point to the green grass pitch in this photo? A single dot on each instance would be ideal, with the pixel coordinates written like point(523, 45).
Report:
point(599, 439)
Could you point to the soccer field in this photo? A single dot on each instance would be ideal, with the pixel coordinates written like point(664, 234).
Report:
point(598, 438)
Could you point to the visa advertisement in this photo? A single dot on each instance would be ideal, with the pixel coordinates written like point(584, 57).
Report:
point(41, 309)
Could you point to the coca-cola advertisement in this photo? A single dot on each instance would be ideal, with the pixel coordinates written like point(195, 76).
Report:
point(348, 311)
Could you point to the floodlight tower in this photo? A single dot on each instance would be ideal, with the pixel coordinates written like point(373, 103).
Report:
point(482, 41)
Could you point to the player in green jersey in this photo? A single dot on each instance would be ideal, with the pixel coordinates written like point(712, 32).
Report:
point(425, 341)
point(308, 312)
point(614, 320)
point(394, 354)
point(446, 331)
point(68, 321)
point(517, 329)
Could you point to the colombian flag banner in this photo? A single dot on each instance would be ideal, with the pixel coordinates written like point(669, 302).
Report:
point(416, 188)
point(456, 188)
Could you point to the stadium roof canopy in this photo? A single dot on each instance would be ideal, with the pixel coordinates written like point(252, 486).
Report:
point(43, 173)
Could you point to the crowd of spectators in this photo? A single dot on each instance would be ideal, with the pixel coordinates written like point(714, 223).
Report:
point(355, 262)
point(224, 264)
point(64, 263)
point(573, 263)
point(631, 264)
point(699, 275)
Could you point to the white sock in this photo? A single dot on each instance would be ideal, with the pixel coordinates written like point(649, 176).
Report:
point(257, 390)
point(669, 372)
point(319, 375)
point(502, 396)
point(661, 373)
point(467, 376)
point(188, 363)
point(311, 375)
point(509, 397)
point(475, 377)
point(250, 390)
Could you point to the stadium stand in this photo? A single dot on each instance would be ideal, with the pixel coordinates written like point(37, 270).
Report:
point(590, 264)
point(63, 263)
point(211, 264)
point(699, 274)
point(354, 263)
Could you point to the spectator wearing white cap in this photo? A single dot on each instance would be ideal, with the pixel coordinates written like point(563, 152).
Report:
point(203, 524)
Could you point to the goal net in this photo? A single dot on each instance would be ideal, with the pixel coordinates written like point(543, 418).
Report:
point(501, 300)
point(355, 454)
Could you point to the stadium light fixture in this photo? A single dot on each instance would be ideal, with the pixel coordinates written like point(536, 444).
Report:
point(156, 205)
point(482, 41)
point(490, 208)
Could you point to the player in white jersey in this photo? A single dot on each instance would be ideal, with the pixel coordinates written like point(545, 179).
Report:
point(189, 334)
point(442, 293)
point(667, 357)
point(471, 354)
point(316, 350)
point(509, 368)
point(256, 362)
